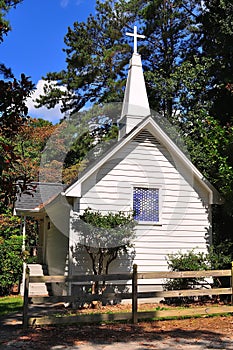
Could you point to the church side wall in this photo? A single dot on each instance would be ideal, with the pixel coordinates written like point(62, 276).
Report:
point(184, 215)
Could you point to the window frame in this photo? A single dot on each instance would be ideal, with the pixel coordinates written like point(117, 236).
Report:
point(149, 186)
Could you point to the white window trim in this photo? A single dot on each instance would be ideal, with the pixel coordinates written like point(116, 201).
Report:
point(152, 186)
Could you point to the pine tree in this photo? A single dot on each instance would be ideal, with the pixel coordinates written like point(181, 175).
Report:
point(98, 52)
point(5, 6)
point(216, 42)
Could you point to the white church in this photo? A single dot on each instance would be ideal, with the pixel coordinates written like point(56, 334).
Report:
point(144, 172)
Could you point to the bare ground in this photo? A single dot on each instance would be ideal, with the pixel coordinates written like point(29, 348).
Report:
point(194, 333)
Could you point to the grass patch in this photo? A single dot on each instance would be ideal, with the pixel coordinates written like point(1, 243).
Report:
point(10, 304)
point(174, 318)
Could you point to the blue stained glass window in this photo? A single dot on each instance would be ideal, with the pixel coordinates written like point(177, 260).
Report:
point(146, 204)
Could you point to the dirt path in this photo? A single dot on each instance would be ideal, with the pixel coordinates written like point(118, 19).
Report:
point(189, 334)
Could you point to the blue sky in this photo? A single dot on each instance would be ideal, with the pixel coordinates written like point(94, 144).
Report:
point(34, 46)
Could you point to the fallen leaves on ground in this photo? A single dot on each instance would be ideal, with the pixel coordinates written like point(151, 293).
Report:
point(204, 328)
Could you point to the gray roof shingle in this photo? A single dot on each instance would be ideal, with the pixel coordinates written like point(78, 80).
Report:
point(39, 194)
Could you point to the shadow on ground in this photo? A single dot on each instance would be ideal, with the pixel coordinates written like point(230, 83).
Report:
point(140, 337)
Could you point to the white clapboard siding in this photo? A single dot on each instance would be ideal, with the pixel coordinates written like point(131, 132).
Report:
point(183, 214)
point(160, 241)
point(169, 244)
point(176, 234)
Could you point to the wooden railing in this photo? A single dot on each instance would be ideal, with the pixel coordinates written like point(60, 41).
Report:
point(134, 315)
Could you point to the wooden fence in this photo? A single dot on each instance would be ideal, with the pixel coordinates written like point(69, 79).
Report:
point(134, 316)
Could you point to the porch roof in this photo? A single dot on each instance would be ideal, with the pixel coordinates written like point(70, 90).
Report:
point(34, 200)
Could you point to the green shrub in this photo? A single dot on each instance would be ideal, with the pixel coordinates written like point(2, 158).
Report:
point(11, 263)
point(190, 261)
point(11, 240)
point(221, 255)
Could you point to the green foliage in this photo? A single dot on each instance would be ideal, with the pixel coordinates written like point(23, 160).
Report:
point(219, 257)
point(104, 238)
point(111, 233)
point(13, 116)
point(96, 57)
point(9, 225)
point(5, 6)
point(21, 158)
point(98, 53)
point(170, 27)
point(222, 249)
point(13, 109)
point(11, 240)
point(79, 141)
point(190, 261)
point(10, 263)
point(216, 41)
point(87, 141)
point(121, 223)
point(208, 140)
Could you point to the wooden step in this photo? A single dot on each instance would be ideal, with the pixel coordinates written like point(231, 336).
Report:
point(37, 288)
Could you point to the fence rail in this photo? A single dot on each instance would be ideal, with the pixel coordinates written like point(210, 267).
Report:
point(134, 315)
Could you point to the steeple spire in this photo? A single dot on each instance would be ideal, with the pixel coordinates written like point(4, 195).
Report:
point(135, 105)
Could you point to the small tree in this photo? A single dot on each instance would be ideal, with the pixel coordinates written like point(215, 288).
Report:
point(105, 238)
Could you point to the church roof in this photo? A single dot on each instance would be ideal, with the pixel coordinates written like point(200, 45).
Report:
point(40, 194)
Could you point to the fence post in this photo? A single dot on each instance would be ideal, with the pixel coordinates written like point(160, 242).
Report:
point(135, 294)
point(232, 283)
point(25, 299)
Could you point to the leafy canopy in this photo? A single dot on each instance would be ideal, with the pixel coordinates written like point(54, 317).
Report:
point(104, 237)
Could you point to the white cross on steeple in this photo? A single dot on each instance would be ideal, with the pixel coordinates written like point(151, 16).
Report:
point(135, 35)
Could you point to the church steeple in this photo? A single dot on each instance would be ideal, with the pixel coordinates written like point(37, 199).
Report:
point(135, 105)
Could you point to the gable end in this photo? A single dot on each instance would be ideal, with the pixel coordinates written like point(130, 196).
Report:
point(146, 138)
